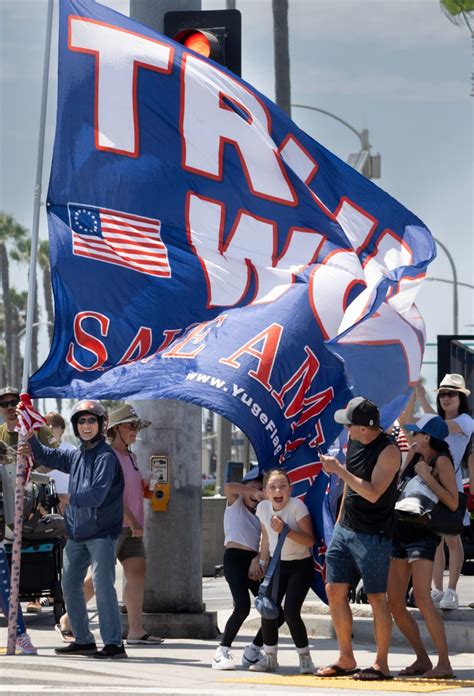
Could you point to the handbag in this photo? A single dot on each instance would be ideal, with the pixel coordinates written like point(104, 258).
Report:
point(442, 520)
point(267, 606)
point(423, 511)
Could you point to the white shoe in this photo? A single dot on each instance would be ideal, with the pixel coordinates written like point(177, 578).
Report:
point(251, 656)
point(437, 596)
point(268, 664)
point(223, 659)
point(450, 600)
point(306, 664)
point(24, 646)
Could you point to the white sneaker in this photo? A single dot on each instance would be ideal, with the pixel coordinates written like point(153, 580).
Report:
point(306, 664)
point(268, 664)
point(437, 596)
point(251, 656)
point(450, 600)
point(223, 659)
point(24, 646)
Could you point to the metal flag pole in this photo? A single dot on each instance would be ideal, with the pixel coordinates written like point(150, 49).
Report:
point(21, 460)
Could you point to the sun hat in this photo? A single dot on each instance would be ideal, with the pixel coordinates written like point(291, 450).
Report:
point(430, 424)
point(359, 411)
point(125, 413)
point(455, 382)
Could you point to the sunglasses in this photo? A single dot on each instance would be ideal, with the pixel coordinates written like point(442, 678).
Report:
point(10, 402)
point(447, 394)
point(131, 426)
point(89, 420)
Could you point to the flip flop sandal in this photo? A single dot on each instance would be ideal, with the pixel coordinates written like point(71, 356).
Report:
point(371, 674)
point(65, 633)
point(412, 673)
point(337, 672)
point(146, 639)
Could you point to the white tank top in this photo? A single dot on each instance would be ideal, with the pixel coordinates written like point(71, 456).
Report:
point(241, 526)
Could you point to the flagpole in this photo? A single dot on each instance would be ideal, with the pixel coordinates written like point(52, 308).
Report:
point(21, 460)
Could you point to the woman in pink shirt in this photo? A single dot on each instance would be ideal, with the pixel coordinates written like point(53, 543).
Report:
point(124, 424)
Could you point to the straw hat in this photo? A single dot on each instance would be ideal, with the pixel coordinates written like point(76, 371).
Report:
point(454, 382)
point(125, 414)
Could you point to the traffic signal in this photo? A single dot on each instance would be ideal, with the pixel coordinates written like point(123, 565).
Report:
point(215, 34)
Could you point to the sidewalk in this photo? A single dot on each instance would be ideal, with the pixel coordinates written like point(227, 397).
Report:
point(183, 666)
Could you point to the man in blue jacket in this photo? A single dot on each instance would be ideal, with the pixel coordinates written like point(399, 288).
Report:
point(93, 517)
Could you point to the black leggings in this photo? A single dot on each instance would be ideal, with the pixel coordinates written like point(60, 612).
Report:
point(295, 580)
point(236, 569)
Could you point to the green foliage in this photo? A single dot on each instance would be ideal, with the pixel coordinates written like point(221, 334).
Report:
point(459, 11)
point(10, 230)
point(209, 491)
point(455, 7)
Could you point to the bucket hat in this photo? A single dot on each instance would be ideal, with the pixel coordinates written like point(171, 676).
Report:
point(125, 413)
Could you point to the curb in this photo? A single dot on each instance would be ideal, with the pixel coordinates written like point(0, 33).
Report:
point(459, 628)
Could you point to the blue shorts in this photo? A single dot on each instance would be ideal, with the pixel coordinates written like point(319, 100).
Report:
point(354, 555)
point(415, 549)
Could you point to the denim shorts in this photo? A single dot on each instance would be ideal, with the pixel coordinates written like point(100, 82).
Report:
point(354, 555)
point(424, 547)
point(129, 546)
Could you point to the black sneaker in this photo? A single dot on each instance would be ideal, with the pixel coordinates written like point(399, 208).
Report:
point(111, 652)
point(77, 649)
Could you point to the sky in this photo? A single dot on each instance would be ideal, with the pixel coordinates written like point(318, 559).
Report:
point(396, 67)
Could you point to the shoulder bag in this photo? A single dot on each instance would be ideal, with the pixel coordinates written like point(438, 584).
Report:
point(419, 506)
point(267, 606)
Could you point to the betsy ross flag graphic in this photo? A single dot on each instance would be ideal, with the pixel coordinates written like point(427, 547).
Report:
point(119, 238)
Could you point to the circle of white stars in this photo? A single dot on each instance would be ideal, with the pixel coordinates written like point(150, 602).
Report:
point(93, 220)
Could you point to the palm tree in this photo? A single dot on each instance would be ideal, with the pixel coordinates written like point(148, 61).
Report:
point(10, 231)
point(460, 12)
point(43, 260)
point(44, 263)
point(18, 302)
point(22, 254)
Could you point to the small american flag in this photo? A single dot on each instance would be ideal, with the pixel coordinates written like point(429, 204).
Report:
point(111, 236)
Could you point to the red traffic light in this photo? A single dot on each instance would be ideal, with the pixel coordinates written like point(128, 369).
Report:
point(214, 34)
point(203, 42)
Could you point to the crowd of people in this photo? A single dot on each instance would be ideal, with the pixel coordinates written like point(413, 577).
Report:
point(101, 495)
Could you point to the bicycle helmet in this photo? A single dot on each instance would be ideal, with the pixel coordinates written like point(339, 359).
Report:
point(93, 407)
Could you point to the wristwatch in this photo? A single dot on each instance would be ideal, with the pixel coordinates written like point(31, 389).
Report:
point(262, 563)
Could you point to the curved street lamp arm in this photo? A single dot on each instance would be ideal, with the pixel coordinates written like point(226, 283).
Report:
point(455, 285)
point(363, 135)
point(445, 280)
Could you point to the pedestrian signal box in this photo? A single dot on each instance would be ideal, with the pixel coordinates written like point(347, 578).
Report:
point(160, 484)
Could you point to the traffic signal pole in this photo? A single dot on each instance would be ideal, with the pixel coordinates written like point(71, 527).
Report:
point(173, 604)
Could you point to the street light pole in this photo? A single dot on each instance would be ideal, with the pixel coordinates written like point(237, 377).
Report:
point(363, 161)
point(455, 287)
point(362, 135)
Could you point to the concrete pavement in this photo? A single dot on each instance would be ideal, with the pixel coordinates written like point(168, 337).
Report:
point(183, 666)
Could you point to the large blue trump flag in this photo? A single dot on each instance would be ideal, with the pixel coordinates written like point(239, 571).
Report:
point(204, 248)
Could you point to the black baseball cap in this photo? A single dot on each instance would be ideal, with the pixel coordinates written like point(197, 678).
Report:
point(359, 411)
point(253, 475)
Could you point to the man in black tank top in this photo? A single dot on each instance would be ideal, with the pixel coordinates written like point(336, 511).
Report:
point(361, 543)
